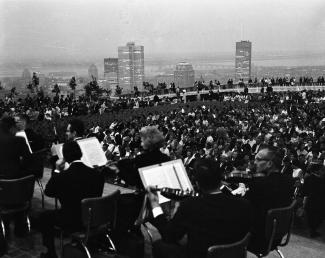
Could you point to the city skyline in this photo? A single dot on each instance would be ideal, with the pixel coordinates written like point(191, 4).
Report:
point(79, 30)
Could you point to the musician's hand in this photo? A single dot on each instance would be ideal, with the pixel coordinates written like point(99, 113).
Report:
point(60, 164)
point(241, 190)
point(152, 197)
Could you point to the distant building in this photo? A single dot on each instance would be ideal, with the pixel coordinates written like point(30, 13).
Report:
point(93, 71)
point(26, 77)
point(111, 72)
point(184, 75)
point(243, 60)
point(62, 75)
point(130, 67)
point(167, 78)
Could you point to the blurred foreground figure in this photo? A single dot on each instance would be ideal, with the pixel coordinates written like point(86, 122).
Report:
point(212, 219)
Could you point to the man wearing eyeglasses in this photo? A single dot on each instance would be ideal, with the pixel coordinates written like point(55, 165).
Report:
point(274, 190)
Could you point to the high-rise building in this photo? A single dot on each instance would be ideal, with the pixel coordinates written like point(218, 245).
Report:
point(93, 71)
point(111, 72)
point(243, 60)
point(130, 67)
point(184, 75)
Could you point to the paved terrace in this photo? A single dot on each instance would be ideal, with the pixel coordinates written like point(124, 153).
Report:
point(299, 246)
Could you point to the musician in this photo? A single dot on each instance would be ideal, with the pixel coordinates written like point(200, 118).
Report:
point(313, 191)
point(15, 162)
point(274, 190)
point(15, 157)
point(70, 187)
point(151, 141)
point(35, 142)
point(215, 218)
point(75, 131)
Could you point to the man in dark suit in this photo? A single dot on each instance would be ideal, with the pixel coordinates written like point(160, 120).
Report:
point(70, 187)
point(275, 190)
point(15, 162)
point(15, 157)
point(215, 218)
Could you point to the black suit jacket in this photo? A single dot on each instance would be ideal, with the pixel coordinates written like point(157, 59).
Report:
point(71, 186)
point(15, 157)
point(208, 220)
point(129, 167)
point(269, 192)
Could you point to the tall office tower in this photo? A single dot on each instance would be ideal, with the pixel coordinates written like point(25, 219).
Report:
point(111, 72)
point(26, 77)
point(243, 60)
point(184, 75)
point(93, 71)
point(130, 67)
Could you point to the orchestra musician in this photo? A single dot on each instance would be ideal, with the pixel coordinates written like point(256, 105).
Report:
point(274, 190)
point(15, 162)
point(15, 157)
point(75, 131)
point(214, 218)
point(70, 186)
point(151, 141)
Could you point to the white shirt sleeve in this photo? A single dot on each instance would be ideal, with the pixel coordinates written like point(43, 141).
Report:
point(157, 211)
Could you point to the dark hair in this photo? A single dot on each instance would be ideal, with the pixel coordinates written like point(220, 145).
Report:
point(71, 151)
point(6, 124)
point(207, 174)
point(76, 125)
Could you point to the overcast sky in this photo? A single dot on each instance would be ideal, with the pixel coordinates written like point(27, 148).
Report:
point(95, 28)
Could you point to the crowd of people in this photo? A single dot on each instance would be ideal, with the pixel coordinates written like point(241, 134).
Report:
point(279, 135)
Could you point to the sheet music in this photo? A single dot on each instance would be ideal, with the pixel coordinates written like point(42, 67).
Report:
point(23, 134)
point(92, 152)
point(170, 174)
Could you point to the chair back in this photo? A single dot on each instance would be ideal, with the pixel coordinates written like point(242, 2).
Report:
point(100, 211)
point(278, 224)
point(16, 191)
point(238, 249)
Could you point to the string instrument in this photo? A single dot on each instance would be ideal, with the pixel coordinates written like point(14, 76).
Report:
point(242, 177)
point(179, 194)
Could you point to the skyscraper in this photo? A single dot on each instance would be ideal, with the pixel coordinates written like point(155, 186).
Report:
point(130, 67)
point(93, 71)
point(184, 75)
point(111, 72)
point(243, 60)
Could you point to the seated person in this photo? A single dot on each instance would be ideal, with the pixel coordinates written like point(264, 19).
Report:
point(274, 190)
point(151, 141)
point(15, 157)
point(313, 191)
point(70, 187)
point(212, 219)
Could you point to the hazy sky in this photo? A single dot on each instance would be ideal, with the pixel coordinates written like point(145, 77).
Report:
point(73, 29)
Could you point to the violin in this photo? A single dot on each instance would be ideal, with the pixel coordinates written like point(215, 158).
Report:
point(179, 194)
point(241, 177)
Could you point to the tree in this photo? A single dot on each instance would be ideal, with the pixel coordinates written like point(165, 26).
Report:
point(56, 89)
point(1, 87)
point(35, 81)
point(92, 89)
point(30, 87)
point(13, 92)
point(118, 90)
point(73, 85)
